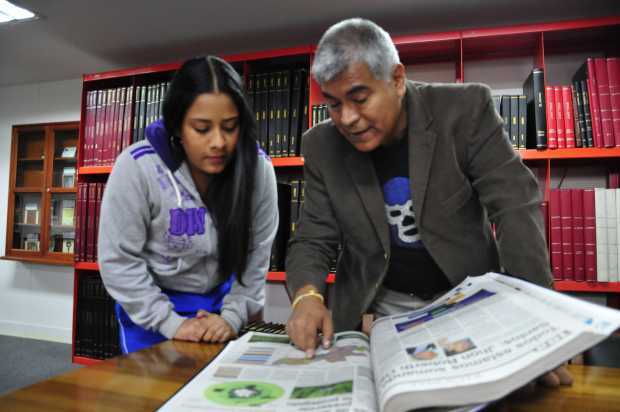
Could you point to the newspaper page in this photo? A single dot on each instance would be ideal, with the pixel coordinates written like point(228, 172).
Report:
point(487, 328)
point(265, 372)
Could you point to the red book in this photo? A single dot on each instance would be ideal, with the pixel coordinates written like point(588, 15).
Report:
point(604, 100)
point(126, 139)
point(111, 137)
point(98, 197)
point(78, 222)
point(578, 234)
point(566, 213)
point(555, 221)
point(597, 128)
point(569, 120)
point(552, 136)
point(95, 150)
point(589, 234)
point(559, 117)
point(103, 148)
point(613, 70)
point(613, 180)
point(83, 222)
point(89, 126)
point(544, 209)
point(90, 226)
point(118, 136)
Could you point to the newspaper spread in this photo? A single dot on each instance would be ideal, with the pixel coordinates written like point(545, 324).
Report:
point(485, 338)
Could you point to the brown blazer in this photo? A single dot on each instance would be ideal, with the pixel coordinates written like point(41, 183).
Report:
point(464, 174)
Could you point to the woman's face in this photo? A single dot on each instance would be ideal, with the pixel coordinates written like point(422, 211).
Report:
point(210, 131)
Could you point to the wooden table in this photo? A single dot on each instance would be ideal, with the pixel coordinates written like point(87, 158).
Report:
point(142, 381)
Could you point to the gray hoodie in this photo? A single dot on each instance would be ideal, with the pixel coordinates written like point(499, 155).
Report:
point(155, 232)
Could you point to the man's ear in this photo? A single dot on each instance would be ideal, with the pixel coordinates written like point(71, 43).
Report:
point(399, 77)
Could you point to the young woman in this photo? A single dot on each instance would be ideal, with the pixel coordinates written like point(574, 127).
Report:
point(189, 215)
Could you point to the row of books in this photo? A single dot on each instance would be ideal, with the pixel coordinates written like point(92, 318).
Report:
point(280, 103)
point(585, 113)
point(89, 197)
point(117, 117)
point(291, 196)
point(290, 204)
point(512, 109)
point(585, 234)
point(96, 329)
point(601, 78)
point(319, 113)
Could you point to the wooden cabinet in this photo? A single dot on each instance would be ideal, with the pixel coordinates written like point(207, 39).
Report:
point(41, 207)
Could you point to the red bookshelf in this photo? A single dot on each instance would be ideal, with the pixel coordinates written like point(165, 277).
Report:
point(280, 277)
point(577, 153)
point(287, 161)
point(95, 170)
point(572, 286)
point(81, 360)
point(94, 266)
point(538, 42)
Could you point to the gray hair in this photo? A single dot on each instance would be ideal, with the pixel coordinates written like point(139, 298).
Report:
point(352, 41)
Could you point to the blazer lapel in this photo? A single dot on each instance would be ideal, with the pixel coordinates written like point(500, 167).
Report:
point(361, 169)
point(421, 146)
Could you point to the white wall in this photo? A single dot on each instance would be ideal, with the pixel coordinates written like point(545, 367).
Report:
point(36, 301)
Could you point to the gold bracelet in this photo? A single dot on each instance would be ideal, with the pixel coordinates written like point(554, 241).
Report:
point(311, 292)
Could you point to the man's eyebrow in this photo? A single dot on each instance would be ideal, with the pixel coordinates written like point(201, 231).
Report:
point(357, 89)
point(352, 91)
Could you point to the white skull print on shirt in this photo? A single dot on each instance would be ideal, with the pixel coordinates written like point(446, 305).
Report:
point(399, 212)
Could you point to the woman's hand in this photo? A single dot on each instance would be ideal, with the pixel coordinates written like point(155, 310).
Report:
point(192, 329)
point(217, 329)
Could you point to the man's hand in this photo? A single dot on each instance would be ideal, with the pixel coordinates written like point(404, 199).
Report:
point(558, 376)
point(308, 318)
point(218, 330)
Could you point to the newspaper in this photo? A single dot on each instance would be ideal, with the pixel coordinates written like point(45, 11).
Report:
point(482, 340)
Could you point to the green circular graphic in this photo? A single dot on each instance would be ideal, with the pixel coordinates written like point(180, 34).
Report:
point(243, 393)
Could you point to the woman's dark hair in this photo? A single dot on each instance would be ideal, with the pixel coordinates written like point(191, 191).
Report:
point(229, 193)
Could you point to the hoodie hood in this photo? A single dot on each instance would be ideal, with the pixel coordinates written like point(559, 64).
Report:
point(158, 137)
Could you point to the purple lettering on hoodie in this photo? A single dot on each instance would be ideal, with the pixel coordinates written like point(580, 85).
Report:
point(188, 221)
point(178, 222)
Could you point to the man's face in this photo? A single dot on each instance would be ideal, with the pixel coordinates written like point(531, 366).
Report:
point(367, 111)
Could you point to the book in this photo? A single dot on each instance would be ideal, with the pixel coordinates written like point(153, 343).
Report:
point(67, 212)
point(31, 213)
point(68, 152)
point(68, 176)
point(485, 338)
point(68, 242)
point(534, 89)
point(31, 242)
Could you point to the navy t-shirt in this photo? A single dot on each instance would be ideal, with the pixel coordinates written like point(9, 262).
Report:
point(412, 269)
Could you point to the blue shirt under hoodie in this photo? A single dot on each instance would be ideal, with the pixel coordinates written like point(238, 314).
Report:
point(156, 233)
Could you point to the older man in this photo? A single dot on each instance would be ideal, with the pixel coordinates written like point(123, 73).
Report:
point(408, 177)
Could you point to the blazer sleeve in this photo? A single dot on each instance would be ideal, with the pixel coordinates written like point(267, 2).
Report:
point(314, 244)
point(509, 191)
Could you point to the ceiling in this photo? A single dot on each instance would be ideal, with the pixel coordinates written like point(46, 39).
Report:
point(73, 37)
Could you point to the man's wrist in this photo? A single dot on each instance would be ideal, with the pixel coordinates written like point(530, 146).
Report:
point(308, 291)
